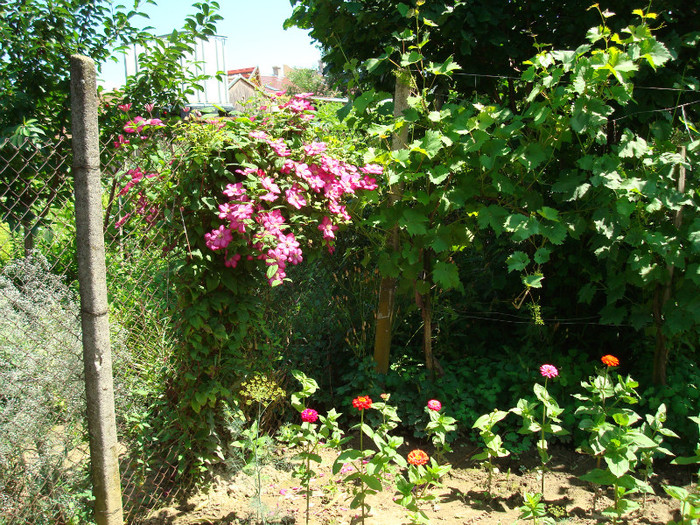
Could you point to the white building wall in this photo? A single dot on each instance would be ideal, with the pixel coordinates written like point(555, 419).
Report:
point(208, 58)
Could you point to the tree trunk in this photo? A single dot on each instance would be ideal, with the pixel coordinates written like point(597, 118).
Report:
point(661, 296)
point(387, 287)
point(28, 232)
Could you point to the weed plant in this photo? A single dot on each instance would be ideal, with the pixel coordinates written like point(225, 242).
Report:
point(41, 399)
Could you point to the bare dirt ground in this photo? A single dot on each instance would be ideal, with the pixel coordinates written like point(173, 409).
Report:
point(462, 500)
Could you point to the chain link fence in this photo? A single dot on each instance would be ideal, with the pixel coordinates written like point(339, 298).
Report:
point(44, 453)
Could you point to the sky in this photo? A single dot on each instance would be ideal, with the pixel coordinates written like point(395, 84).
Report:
point(254, 31)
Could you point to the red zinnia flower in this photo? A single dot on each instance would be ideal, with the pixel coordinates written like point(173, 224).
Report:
point(610, 360)
point(417, 457)
point(309, 415)
point(549, 371)
point(435, 405)
point(362, 402)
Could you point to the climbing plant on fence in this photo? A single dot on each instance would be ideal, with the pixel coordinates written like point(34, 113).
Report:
point(549, 176)
point(245, 199)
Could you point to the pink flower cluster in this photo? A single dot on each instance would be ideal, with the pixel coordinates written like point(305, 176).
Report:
point(143, 206)
point(315, 182)
point(137, 124)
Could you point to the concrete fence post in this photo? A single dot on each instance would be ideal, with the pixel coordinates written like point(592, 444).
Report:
point(93, 294)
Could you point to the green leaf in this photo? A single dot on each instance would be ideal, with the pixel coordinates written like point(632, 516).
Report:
point(517, 261)
point(533, 281)
point(371, 481)
point(414, 221)
point(549, 213)
point(410, 58)
point(446, 275)
point(599, 477)
point(542, 255)
point(617, 463)
point(493, 216)
point(432, 143)
point(678, 493)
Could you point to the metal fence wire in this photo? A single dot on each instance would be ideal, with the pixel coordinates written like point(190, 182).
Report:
point(44, 454)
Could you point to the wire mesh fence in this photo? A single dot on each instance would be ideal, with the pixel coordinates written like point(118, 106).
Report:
point(44, 453)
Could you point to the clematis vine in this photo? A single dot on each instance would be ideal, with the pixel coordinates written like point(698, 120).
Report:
point(287, 194)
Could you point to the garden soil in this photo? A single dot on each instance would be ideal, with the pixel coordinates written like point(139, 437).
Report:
point(461, 500)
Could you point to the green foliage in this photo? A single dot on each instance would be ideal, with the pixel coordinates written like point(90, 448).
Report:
point(618, 442)
point(414, 488)
point(547, 176)
point(493, 443)
point(689, 499)
point(40, 426)
point(534, 509)
point(38, 39)
point(176, 178)
point(306, 80)
point(161, 78)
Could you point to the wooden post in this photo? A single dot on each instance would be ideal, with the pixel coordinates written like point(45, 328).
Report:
point(387, 287)
point(104, 461)
point(661, 296)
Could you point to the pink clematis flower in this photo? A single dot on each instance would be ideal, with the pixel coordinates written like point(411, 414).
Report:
point(219, 238)
point(327, 228)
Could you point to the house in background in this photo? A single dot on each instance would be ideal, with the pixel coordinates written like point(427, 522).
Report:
point(278, 81)
point(208, 57)
point(243, 84)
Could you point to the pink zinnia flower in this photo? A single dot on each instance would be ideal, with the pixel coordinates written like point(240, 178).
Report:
point(309, 415)
point(435, 405)
point(549, 371)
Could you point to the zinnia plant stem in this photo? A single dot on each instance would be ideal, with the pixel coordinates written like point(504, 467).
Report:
point(308, 484)
point(362, 466)
point(542, 441)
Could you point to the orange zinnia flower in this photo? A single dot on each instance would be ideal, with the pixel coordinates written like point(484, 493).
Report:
point(610, 360)
point(417, 457)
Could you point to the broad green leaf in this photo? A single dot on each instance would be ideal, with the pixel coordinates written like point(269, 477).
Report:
point(678, 493)
point(432, 143)
point(371, 481)
point(493, 216)
point(517, 261)
point(533, 281)
point(599, 477)
point(414, 221)
point(446, 275)
point(549, 213)
point(542, 255)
